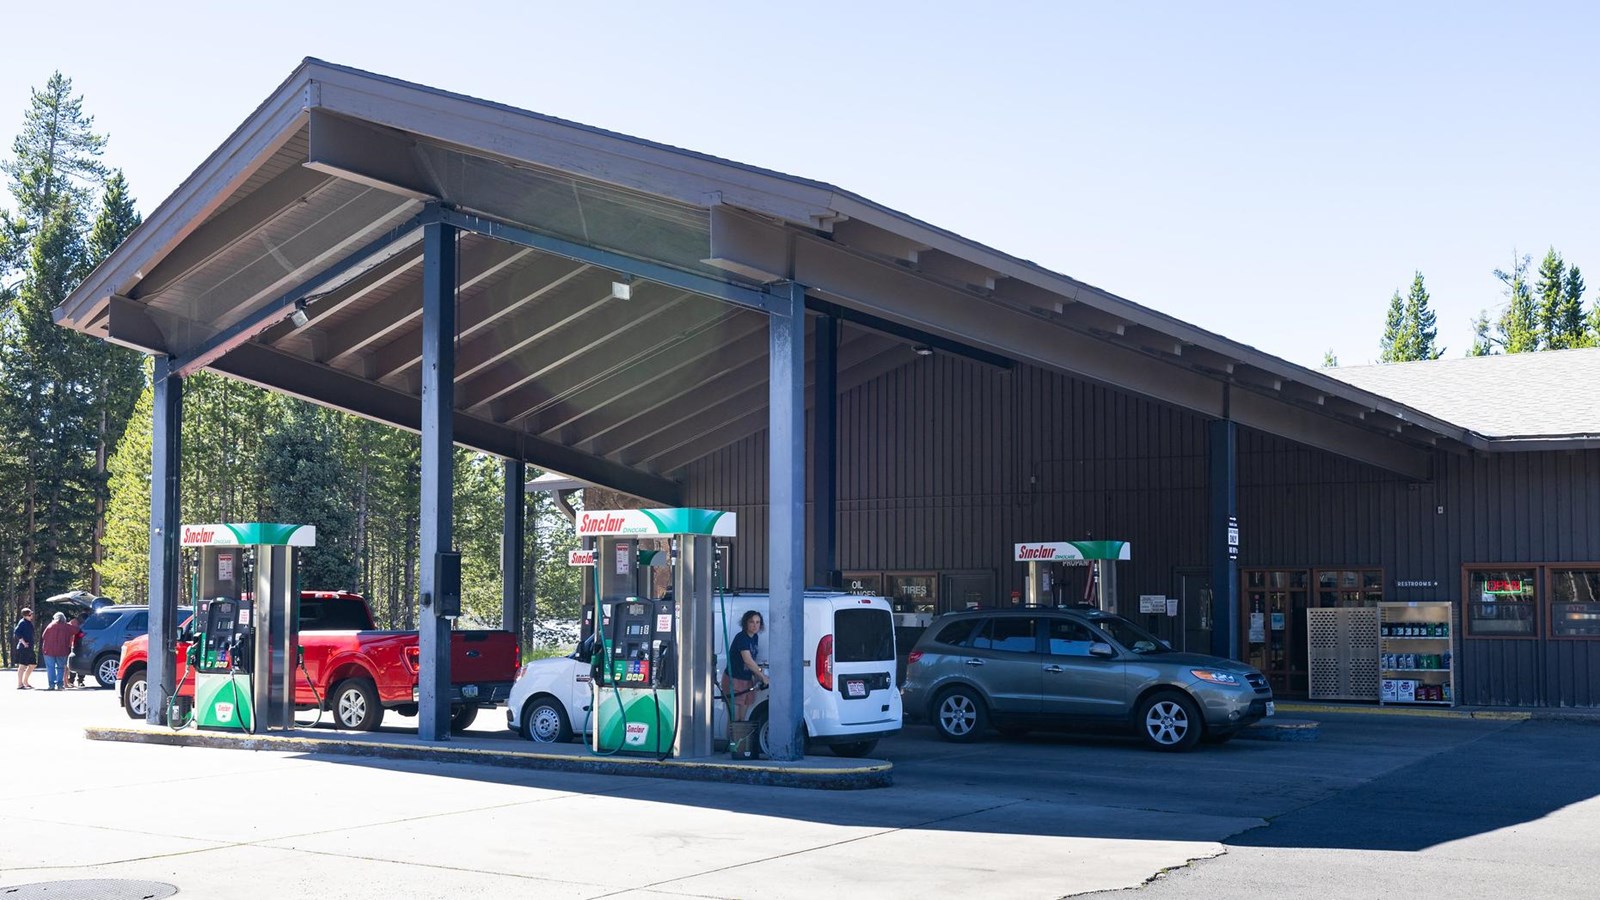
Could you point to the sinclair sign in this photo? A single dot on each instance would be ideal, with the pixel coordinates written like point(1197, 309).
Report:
point(647, 522)
point(246, 534)
point(1073, 551)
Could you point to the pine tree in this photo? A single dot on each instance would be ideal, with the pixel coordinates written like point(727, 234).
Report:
point(1567, 328)
point(1421, 324)
point(57, 158)
point(1329, 361)
point(124, 568)
point(120, 370)
point(1519, 324)
point(305, 482)
point(1392, 344)
point(1483, 343)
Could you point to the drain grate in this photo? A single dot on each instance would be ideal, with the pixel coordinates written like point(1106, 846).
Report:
point(89, 889)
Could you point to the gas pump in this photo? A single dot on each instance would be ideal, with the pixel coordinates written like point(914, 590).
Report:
point(1046, 559)
point(652, 669)
point(244, 643)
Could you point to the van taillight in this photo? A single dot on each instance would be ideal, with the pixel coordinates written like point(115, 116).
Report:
point(912, 659)
point(825, 662)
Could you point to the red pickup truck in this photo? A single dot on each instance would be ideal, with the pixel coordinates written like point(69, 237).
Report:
point(353, 670)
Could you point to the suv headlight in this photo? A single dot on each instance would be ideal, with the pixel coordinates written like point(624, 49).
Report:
point(1215, 677)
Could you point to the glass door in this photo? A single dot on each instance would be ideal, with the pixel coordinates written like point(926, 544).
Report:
point(1274, 627)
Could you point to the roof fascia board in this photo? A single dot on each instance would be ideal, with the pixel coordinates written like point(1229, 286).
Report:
point(187, 208)
point(1276, 417)
point(521, 136)
point(1074, 291)
point(289, 374)
point(1553, 442)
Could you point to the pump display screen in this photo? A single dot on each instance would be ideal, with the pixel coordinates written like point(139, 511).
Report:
point(638, 629)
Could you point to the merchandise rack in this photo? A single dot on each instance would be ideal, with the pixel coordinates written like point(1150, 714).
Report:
point(1413, 632)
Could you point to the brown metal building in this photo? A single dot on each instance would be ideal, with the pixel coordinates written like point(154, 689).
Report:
point(643, 317)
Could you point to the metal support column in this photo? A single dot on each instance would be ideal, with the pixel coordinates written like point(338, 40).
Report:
point(691, 590)
point(438, 406)
point(512, 540)
point(166, 455)
point(825, 454)
point(1222, 488)
point(786, 556)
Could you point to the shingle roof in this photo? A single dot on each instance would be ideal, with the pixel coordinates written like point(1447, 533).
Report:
point(1554, 394)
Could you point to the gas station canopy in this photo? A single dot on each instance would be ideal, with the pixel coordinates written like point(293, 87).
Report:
point(613, 293)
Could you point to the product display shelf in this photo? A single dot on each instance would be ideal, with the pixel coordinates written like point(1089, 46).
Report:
point(1416, 655)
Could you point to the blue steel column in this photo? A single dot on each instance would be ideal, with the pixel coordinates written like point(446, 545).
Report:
point(166, 454)
point(1222, 487)
point(786, 552)
point(825, 453)
point(512, 538)
point(438, 406)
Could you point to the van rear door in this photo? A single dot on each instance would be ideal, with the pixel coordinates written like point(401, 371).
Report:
point(863, 661)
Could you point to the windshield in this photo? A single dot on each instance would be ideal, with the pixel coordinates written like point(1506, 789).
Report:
point(1128, 634)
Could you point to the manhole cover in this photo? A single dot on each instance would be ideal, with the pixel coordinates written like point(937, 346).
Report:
point(89, 889)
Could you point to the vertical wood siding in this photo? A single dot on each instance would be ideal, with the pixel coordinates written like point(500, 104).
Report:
point(944, 464)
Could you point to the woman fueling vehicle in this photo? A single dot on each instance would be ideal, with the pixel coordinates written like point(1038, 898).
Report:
point(742, 667)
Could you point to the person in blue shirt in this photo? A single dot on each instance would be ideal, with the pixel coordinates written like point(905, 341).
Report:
point(23, 652)
point(743, 670)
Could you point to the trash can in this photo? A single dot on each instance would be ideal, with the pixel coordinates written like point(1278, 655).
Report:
point(743, 739)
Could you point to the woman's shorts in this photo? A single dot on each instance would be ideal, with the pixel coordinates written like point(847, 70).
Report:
point(23, 656)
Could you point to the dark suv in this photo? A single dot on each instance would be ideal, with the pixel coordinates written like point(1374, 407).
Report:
point(1020, 669)
point(103, 635)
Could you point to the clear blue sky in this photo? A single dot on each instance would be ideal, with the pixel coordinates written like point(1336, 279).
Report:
point(1272, 172)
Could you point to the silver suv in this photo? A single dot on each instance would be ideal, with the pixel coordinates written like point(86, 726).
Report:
point(1021, 669)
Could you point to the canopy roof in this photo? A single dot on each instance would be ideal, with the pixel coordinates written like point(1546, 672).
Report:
point(314, 202)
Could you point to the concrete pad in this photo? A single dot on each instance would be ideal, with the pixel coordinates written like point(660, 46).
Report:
point(826, 773)
point(1017, 845)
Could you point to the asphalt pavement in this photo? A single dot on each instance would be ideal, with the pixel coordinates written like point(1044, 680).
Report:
point(1384, 804)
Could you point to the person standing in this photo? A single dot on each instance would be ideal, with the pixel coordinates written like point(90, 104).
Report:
point(22, 649)
point(743, 669)
point(75, 677)
point(56, 643)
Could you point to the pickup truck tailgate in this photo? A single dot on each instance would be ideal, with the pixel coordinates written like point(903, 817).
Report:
point(483, 656)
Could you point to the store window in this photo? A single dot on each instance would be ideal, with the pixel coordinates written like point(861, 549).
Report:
point(1349, 587)
point(1502, 602)
point(913, 592)
point(864, 584)
point(1574, 602)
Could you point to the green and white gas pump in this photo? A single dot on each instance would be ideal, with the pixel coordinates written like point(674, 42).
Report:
point(652, 671)
point(1101, 556)
point(245, 633)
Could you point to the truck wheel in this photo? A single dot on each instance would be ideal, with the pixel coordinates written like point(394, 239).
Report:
point(461, 718)
point(545, 722)
point(135, 695)
point(854, 749)
point(959, 716)
point(1170, 721)
point(105, 670)
point(355, 705)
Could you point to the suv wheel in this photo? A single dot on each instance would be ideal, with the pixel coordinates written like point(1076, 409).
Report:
point(105, 671)
point(1170, 721)
point(959, 715)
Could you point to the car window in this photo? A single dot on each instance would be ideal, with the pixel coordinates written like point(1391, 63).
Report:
point(955, 633)
point(99, 620)
point(1129, 635)
point(1069, 638)
point(863, 635)
point(1009, 634)
point(139, 622)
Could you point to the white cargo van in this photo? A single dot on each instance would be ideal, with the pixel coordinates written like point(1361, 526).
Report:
point(851, 695)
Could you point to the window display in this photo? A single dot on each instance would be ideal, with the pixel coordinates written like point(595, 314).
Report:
point(1416, 653)
point(1574, 602)
point(1502, 602)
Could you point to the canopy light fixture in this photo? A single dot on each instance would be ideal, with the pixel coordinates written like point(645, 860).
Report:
point(299, 317)
point(922, 350)
point(623, 289)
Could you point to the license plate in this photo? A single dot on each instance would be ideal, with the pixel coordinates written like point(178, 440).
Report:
point(1271, 709)
point(855, 688)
